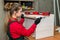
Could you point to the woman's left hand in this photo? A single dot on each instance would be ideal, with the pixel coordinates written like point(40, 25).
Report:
point(22, 15)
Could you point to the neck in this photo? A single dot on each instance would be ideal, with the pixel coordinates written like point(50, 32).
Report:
point(13, 18)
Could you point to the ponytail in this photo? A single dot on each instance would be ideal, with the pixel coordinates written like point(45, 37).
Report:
point(6, 19)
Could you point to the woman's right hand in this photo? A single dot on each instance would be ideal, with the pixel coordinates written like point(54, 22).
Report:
point(37, 21)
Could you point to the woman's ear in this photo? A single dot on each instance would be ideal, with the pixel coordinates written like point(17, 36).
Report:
point(15, 12)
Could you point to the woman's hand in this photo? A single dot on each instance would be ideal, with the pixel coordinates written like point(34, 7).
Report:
point(37, 21)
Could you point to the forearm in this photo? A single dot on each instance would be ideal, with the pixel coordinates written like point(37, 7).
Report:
point(21, 21)
point(28, 32)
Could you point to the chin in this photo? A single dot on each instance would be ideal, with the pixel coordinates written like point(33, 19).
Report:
point(18, 16)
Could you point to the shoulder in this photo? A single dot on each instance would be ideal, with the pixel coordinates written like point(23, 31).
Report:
point(14, 24)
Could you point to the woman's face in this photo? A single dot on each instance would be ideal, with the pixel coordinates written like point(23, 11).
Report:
point(19, 12)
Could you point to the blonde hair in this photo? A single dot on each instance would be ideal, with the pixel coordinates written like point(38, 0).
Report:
point(9, 13)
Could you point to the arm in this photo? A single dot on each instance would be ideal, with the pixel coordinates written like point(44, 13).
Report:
point(28, 32)
point(31, 29)
point(21, 21)
point(17, 29)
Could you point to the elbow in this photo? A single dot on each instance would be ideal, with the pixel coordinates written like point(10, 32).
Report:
point(28, 34)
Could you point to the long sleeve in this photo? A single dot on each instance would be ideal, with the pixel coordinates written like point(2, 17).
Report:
point(16, 30)
point(21, 21)
point(28, 32)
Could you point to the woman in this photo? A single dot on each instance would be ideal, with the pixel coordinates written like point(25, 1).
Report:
point(15, 28)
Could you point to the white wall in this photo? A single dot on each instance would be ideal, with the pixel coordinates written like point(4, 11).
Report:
point(45, 5)
point(19, 0)
point(2, 34)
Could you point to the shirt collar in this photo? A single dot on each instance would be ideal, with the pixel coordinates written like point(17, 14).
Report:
point(12, 19)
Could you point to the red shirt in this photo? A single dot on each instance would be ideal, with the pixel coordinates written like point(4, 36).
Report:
point(17, 29)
